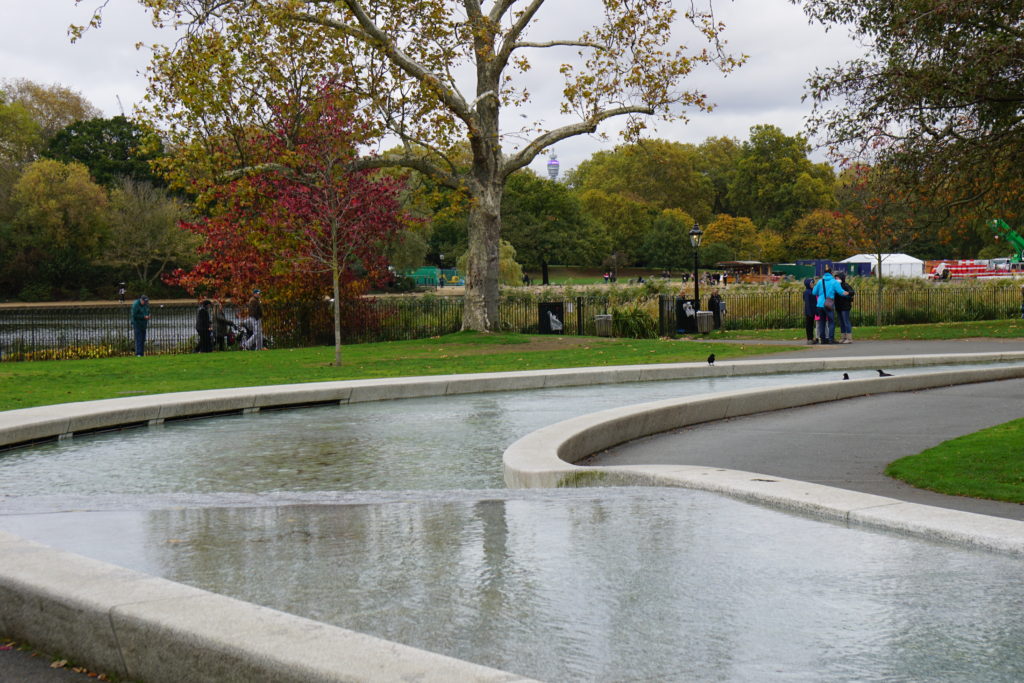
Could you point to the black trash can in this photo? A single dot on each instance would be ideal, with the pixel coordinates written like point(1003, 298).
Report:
point(551, 317)
point(686, 316)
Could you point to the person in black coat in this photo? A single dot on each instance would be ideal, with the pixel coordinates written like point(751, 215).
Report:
point(810, 310)
point(715, 306)
point(204, 329)
point(843, 306)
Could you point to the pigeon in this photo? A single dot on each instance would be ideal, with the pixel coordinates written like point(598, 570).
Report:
point(711, 359)
point(883, 373)
point(846, 375)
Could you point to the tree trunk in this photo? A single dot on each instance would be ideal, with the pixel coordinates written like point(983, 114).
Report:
point(544, 271)
point(480, 310)
point(336, 306)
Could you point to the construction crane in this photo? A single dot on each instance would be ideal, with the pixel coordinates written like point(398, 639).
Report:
point(1001, 229)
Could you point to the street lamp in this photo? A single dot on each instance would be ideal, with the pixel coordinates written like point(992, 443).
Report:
point(695, 236)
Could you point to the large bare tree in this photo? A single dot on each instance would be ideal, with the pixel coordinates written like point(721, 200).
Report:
point(434, 73)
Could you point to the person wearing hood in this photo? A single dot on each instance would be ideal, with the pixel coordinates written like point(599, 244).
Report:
point(810, 310)
point(827, 291)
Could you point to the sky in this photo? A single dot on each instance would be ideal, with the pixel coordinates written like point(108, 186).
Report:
point(782, 47)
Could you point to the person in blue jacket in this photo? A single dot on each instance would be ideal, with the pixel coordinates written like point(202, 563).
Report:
point(810, 310)
point(827, 291)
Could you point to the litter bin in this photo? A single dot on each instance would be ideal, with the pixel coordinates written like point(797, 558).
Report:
point(603, 323)
point(550, 317)
point(705, 321)
point(686, 316)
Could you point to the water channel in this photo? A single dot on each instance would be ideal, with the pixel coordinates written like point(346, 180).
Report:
point(391, 518)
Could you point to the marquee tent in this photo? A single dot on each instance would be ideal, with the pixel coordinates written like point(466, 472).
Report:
point(893, 265)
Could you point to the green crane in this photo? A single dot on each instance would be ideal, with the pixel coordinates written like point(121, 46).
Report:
point(1001, 229)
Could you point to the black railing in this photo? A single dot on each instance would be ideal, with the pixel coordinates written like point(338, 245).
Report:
point(94, 331)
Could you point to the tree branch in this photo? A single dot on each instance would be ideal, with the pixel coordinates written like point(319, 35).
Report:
point(528, 153)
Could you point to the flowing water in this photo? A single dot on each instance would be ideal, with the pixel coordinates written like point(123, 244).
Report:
point(390, 518)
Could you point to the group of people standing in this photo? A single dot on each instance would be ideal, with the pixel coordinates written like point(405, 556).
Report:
point(827, 302)
point(213, 327)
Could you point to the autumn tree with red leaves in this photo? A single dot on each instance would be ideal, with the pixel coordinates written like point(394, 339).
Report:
point(303, 221)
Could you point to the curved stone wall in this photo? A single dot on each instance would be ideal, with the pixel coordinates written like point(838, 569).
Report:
point(142, 627)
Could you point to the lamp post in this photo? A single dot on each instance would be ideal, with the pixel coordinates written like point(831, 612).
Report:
point(695, 236)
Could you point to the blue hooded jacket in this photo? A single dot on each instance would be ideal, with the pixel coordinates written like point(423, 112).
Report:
point(827, 288)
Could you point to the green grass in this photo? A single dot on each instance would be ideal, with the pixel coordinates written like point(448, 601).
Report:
point(1004, 329)
point(28, 384)
point(987, 464)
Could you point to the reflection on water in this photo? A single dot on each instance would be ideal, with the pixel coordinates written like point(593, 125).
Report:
point(445, 442)
point(390, 518)
point(609, 585)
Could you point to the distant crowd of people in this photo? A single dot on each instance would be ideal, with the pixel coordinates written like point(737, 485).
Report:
point(212, 325)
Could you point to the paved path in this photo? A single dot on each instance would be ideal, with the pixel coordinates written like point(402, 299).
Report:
point(848, 443)
point(845, 443)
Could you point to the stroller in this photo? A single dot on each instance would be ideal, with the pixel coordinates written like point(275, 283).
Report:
point(244, 336)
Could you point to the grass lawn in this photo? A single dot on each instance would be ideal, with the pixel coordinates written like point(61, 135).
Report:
point(27, 384)
point(986, 464)
point(1003, 329)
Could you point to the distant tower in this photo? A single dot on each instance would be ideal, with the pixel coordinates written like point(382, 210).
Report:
point(553, 167)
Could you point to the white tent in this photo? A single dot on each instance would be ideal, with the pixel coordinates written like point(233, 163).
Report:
point(893, 265)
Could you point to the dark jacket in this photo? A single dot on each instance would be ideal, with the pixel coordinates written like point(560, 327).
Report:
point(203, 320)
point(140, 314)
point(255, 308)
point(810, 301)
point(845, 303)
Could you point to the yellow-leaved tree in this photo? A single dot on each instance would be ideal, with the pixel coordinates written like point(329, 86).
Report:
point(434, 73)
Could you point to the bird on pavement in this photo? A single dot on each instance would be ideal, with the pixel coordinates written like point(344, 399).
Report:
point(711, 359)
point(883, 373)
point(846, 375)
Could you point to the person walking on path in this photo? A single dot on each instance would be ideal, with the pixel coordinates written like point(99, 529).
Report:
point(256, 316)
point(140, 316)
point(827, 291)
point(222, 326)
point(204, 328)
point(810, 311)
point(843, 306)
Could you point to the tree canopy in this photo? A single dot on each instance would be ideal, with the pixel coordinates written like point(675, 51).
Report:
point(433, 73)
point(112, 149)
point(938, 97)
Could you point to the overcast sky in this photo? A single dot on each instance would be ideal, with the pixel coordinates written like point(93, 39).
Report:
point(782, 47)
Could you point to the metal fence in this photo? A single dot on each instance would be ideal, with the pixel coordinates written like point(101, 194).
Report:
point(96, 331)
point(781, 309)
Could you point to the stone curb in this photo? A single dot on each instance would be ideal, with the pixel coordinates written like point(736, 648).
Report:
point(544, 459)
point(138, 626)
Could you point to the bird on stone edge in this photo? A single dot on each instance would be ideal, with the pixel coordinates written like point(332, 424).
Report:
point(711, 359)
point(883, 373)
point(846, 375)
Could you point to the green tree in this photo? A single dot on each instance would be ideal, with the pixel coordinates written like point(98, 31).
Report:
point(626, 222)
point(718, 160)
point(937, 98)
point(112, 149)
point(775, 183)
point(543, 220)
point(60, 222)
point(667, 244)
point(437, 72)
point(666, 175)
point(145, 232)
